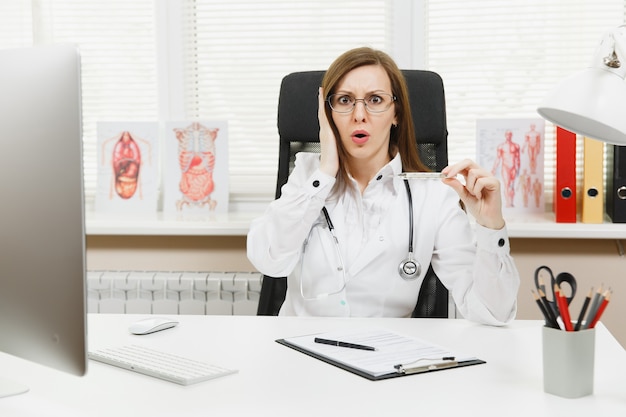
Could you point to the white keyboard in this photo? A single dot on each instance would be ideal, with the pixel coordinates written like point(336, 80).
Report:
point(159, 364)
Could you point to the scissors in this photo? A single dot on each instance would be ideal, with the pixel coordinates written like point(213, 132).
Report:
point(560, 279)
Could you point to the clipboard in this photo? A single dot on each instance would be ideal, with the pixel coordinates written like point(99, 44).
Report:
point(348, 359)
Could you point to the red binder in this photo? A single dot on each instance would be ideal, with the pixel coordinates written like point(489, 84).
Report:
point(565, 177)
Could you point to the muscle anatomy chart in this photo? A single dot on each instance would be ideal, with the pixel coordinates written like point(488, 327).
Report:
point(513, 150)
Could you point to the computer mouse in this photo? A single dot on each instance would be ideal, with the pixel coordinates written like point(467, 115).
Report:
point(151, 325)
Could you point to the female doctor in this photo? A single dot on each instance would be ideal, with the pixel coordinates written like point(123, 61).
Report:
point(340, 230)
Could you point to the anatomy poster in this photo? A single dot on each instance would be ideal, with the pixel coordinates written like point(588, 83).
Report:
point(513, 150)
point(127, 167)
point(195, 167)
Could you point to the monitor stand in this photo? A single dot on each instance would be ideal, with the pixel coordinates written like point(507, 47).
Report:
point(9, 388)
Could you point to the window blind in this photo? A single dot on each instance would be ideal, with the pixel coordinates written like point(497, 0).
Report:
point(116, 39)
point(16, 28)
point(236, 54)
point(499, 59)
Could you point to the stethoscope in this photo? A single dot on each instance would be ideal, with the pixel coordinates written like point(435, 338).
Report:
point(409, 269)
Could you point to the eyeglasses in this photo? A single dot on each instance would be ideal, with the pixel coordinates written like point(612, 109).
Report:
point(374, 103)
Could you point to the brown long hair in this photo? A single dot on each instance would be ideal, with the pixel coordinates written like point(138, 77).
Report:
point(402, 136)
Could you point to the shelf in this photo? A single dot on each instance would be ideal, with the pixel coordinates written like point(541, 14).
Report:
point(237, 224)
point(543, 226)
point(230, 224)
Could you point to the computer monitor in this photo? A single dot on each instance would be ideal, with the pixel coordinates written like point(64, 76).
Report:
point(42, 233)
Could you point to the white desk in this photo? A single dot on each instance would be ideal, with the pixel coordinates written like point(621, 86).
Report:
point(278, 381)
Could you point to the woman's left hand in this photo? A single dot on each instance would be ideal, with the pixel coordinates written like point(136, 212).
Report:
point(480, 194)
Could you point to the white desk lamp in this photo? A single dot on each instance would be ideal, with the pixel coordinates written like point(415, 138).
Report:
point(592, 103)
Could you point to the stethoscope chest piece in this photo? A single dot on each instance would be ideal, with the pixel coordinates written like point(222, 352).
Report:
point(409, 269)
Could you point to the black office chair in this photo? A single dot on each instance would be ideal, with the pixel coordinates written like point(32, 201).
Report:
point(298, 129)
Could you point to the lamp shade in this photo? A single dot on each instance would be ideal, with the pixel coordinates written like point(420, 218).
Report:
point(591, 103)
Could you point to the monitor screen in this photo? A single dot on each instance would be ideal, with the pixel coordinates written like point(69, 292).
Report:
point(42, 233)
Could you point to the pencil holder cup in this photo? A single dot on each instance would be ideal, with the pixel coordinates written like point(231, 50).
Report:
point(568, 362)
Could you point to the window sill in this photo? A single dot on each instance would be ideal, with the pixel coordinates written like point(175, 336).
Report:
point(237, 224)
point(544, 226)
point(230, 224)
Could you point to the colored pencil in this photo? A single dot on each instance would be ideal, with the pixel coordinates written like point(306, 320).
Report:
point(541, 285)
point(600, 310)
point(549, 310)
point(549, 322)
point(593, 309)
point(583, 310)
point(563, 309)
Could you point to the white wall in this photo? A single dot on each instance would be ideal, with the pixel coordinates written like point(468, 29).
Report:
point(591, 261)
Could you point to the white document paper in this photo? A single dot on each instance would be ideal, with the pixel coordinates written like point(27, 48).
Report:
point(391, 349)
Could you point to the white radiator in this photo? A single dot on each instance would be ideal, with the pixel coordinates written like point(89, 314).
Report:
point(157, 292)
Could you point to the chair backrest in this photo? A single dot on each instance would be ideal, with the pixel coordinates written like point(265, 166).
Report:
point(298, 129)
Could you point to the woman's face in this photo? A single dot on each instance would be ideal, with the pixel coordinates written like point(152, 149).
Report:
point(365, 135)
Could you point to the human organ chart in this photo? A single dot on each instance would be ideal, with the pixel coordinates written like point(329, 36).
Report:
point(196, 174)
point(127, 167)
point(176, 168)
point(126, 163)
point(196, 156)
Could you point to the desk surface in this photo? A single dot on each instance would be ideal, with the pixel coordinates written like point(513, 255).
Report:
point(278, 381)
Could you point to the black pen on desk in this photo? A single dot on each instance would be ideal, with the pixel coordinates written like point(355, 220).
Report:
point(342, 344)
